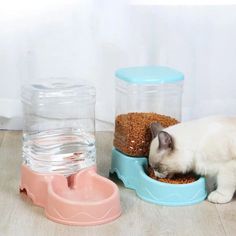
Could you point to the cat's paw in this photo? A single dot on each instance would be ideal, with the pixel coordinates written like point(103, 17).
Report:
point(217, 197)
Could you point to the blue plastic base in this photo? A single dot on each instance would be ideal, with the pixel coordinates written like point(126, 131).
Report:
point(132, 173)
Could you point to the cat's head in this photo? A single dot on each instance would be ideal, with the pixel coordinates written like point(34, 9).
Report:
point(161, 151)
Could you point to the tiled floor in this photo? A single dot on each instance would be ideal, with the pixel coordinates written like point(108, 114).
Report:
point(20, 217)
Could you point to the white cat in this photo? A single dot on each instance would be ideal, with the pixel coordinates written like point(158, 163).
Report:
point(206, 146)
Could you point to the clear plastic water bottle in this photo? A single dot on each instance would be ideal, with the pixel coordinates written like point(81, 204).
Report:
point(59, 124)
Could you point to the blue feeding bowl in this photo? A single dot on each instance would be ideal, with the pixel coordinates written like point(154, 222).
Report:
point(132, 173)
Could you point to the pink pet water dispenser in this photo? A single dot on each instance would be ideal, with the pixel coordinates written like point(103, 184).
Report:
point(59, 155)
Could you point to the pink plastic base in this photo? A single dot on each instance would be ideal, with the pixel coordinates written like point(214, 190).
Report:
point(85, 198)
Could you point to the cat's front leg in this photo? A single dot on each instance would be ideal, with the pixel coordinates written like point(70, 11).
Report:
point(226, 184)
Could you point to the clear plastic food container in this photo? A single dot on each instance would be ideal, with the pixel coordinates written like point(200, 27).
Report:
point(59, 125)
point(145, 95)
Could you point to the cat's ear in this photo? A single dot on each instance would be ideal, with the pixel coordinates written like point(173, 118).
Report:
point(165, 141)
point(155, 128)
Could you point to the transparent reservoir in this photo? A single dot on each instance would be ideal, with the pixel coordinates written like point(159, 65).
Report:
point(145, 95)
point(59, 124)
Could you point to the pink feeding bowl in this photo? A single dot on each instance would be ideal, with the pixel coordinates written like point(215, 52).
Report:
point(85, 198)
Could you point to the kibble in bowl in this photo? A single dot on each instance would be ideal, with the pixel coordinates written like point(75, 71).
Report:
point(132, 131)
point(176, 179)
point(133, 172)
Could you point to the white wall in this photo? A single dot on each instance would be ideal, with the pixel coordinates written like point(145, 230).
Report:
point(92, 40)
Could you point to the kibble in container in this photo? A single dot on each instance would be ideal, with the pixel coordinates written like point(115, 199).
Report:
point(145, 95)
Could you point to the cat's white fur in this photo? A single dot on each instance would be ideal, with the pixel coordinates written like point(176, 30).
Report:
point(207, 147)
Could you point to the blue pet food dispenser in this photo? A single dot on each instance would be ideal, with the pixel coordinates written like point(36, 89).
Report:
point(151, 93)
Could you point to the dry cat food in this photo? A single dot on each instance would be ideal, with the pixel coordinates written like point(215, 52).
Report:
point(176, 179)
point(132, 131)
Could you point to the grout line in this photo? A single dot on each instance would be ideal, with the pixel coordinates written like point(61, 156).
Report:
point(102, 125)
point(105, 122)
point(218, 213)
point(3, 137)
